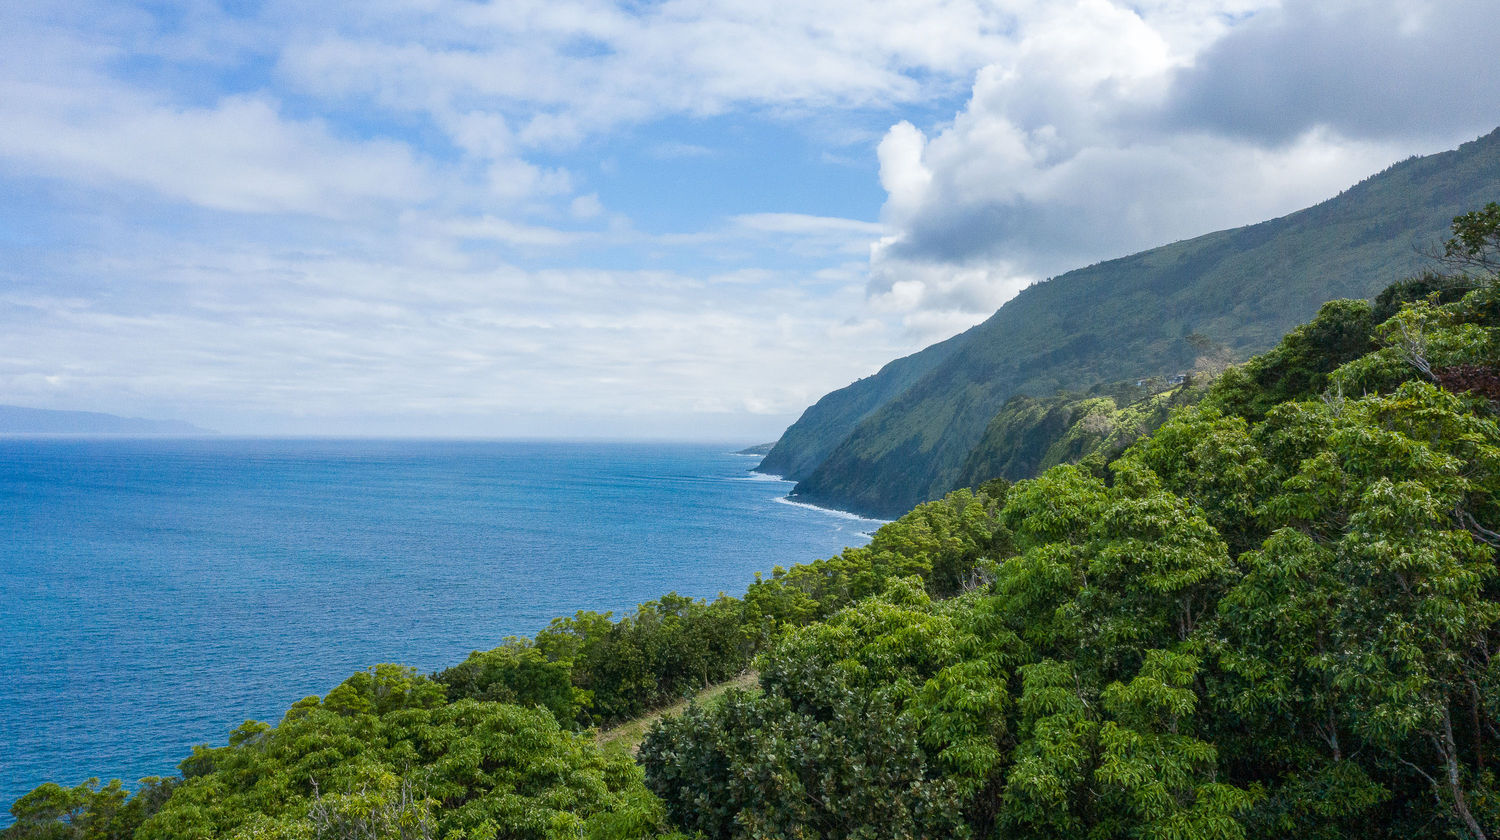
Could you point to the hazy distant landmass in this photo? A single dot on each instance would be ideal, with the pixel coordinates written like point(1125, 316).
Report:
point(18, 420)
point(758, 449)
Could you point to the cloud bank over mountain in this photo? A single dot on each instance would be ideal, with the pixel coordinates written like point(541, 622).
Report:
point(1105, 129)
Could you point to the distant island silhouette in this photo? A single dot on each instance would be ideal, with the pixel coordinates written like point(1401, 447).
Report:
point(19, 420)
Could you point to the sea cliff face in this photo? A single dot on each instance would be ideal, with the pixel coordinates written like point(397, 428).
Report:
point(902, 436)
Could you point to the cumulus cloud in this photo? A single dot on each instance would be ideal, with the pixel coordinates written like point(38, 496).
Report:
point(1105, 128)
point(1365, 70)
point(903, 173)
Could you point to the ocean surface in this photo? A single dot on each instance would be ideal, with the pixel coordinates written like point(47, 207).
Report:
point(154, 594)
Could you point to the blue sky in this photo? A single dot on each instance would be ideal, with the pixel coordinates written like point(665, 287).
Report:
point(663, 219)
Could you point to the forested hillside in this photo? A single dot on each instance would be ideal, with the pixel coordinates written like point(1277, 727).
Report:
point(1274, 617)
point(1140, 316)
point(1031, 434)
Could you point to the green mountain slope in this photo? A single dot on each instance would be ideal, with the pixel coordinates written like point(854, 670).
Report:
point(824, 425)
point(1126, 318)
point(1030, 434)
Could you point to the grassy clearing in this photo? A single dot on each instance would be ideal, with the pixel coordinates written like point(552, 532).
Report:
point(628, 735)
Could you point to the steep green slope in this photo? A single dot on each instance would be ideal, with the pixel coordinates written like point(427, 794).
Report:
point(1275, 625)
point(1029, 434)
point(1133, 317)
point(828, 421)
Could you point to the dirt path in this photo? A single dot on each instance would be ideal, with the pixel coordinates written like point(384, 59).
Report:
point(629, 735)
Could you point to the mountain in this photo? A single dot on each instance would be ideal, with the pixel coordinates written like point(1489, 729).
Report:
point(823, 426)
point(902, 436)
point(16, 420)
point(1031, 434)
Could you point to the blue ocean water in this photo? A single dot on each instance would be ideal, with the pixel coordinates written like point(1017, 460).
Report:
point(155, 594)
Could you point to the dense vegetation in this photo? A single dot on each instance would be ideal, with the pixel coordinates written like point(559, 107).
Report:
point(495, 746)
point(1030, 435)
point(895, 439)
point(1273, 617)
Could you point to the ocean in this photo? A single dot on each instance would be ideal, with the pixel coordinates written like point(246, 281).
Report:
point(156, 593)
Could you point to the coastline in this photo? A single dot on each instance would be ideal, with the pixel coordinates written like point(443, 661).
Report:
point(792, 499)
point(479, 581)
point(833, 511)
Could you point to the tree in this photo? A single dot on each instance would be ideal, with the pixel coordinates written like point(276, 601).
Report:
point(1475, 245)
point(1121, 767)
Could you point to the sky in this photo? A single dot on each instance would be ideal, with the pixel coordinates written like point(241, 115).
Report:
point(635, 219)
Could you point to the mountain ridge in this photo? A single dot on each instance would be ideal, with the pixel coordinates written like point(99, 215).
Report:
point(805, 444)
point(1131, 316)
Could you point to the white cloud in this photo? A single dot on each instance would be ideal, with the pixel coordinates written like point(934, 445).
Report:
point(904, 176)
point(802, 224)
point(1106, 128)
point(586, 206)
point(508, 232)
point(480, 133)
point(64, 117)
point(238, 155)
point(575, 67)
point(933, 300)
point(675, 150)
point(282, 338)
point(1408, 71)
point(69, 115)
